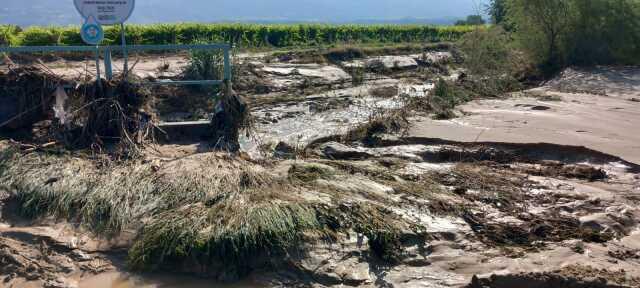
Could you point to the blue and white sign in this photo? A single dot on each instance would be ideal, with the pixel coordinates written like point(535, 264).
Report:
point(106, 12)
point(91, 32)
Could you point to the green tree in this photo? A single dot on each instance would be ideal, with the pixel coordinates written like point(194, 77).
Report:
point(604, 31)
point(497, 10)
point(577, 32)
point(472, 20)
point(541, 27)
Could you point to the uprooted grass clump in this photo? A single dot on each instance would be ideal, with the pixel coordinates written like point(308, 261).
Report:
point(111, 198)
point(222, 235)
point(442, 100)
point(380, 122)
point(236, 237)
point(308, 172)
point(223, 215)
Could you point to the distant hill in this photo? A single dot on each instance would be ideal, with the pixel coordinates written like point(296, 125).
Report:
point(62, 12)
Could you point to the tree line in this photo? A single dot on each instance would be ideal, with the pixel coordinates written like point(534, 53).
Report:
point(556, 33)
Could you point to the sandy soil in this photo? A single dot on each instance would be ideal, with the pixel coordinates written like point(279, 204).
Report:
point(596, 108)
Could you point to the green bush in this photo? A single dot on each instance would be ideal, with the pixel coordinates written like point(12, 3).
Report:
point(40, 36)
point(445, 97)
point(8, 34)
point(205, 65)
point(492, 62)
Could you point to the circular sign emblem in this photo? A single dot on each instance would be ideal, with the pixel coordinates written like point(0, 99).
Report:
point(106, 12)
point(91, 32)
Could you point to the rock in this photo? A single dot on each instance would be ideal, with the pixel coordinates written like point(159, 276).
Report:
point(433, 58)
point(600, 222)
point(391, 62)
point(334, 150)
point(262, 89)
point(284, 151)
point(384, 91)
point(354, 274)
point(324, 73)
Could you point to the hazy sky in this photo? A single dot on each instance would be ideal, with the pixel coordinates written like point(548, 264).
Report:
point(44, 12)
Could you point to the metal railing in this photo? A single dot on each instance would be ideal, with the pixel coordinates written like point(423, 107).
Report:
point(106, 51)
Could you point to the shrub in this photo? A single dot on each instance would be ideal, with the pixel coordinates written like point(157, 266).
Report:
point(494, 64)
point(252, 35)
point(8, 34)
point(445, 97)
point(38, 36)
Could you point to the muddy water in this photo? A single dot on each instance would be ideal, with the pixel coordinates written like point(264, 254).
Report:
point(124, 280)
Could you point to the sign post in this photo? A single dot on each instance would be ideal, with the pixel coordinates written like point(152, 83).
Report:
point(91, 32)
point(105, 12)
point(124, 50)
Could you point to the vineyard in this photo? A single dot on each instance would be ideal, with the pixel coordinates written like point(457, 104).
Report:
point(243, 35)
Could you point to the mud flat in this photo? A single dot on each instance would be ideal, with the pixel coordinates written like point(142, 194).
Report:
point(594, 108)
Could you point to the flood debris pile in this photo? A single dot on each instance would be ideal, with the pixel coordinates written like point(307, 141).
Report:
point(207, 214)
point(26, 96)
point(71, 112)
point(115, 112)
point(231, 116)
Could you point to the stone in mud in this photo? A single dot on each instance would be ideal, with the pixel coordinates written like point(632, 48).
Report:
point(615, 222)
point(284, 151)
point(433, 58)
point(324, 73)
point(354, 273)
point(384, 91)
point(335, 150)
point(391, 62)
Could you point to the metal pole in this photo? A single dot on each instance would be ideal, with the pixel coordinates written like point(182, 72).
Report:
point(124, 50)
point(108, 70)
point(98, 78)
point(227, 74)
point(227, 65)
